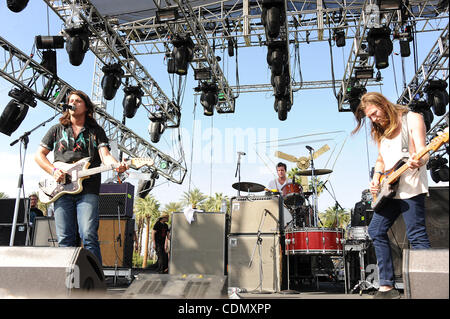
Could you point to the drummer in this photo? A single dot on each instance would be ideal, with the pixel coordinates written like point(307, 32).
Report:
point(277, 184)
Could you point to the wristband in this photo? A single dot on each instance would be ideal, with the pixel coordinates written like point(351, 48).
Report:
point(54, 170)
point(381, 173)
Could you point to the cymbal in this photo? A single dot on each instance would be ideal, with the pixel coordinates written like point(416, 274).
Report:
point(316, 172)
point(248, 187)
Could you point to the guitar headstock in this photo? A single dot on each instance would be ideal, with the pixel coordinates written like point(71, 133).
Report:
point(138, 162)
point(439, 140)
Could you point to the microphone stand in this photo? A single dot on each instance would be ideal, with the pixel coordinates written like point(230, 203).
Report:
point(313, 175)
point(238, 172)
point(24, 140)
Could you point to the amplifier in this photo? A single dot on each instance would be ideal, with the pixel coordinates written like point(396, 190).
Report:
point(116, 199)
point(19, 237)
point(250, 214)
point(7, 206)
point(44, 234)
point(116, 241)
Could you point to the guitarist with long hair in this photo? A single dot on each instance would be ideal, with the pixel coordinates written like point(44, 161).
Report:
point(398, 134)
point(77, 136)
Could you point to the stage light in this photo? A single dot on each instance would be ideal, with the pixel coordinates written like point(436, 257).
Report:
point(363, 73)
point(389, 4)
point(16, 5)
point(380, 46)
point(182, 53)
point(272, 16)
point(339, 38)
point(280, 84)
point(157, 125)
point(166, 15)
point(437, 96)
point(353, 96)
point(49, 60)
point(77, 44)
point(209, 98)
point(277, 56)
point(423, 108)
point(231, 45)
point(145, 186)
point(438, 169)
point(282, 106)
point(111, 80)
point(202, 74)
point(132, 100)
point(49, 42)
point(16, 110)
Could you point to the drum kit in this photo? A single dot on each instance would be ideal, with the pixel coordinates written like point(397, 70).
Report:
point(303, 234)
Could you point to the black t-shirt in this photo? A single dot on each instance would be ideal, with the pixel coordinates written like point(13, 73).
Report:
point(61, 140)
point(161, 232)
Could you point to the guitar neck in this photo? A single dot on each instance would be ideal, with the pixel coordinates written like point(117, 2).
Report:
point(96, 170)
point(396, 175)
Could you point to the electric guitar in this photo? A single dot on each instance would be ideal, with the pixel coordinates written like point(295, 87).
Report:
point(389, 182)
point(50, 190)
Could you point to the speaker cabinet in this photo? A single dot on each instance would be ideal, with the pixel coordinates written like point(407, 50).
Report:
point(116, 241)
point(116, 200)
point(7, 206)
point(45, 232)
point(425, 273)
point(20, 235)
point(436, 220)
point(244, 262)
point(248, 213)
point(198, 247)
point(49, 272)
point(191, 286)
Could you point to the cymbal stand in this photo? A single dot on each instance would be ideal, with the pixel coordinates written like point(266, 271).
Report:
point(313, 175)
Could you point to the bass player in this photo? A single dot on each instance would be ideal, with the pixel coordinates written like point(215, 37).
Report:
point(390, 123)
point(76, 136)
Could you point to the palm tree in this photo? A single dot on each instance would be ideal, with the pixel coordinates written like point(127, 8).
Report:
point(329, 217)
point(148, 207)
point(214, 204)
point(173, 207)
point(193, 198)
point(140, 222)
point(3, 195)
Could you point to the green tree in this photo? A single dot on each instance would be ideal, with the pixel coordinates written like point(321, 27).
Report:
point(3, 195)
point(214, 204)
point(148, 207)
point(193, 198)
point(173, 207)
point(328, 218)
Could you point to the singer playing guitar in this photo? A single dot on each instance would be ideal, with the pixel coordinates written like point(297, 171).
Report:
point(76, 136)
point(391, 127)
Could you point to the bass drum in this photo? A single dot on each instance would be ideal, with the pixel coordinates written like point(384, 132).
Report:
point(312, 240)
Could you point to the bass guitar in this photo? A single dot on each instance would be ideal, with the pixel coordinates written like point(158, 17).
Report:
point(389, 181)
point(50, 190)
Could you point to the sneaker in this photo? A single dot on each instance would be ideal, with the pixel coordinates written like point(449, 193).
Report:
point(390, 294)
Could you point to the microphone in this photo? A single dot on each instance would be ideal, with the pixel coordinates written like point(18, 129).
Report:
point(309, 148)
point(66, 107)
point(241, 153)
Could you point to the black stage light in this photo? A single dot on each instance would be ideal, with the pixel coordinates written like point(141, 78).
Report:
point(132, 100)
point(231, 45)
point(182, 53)
point(202, 74)
point(437, 96)
point(380, 46)
point(282, 106)
point(339, 38)
point(209, 98)
point(16, 110)
point(157, 125)
point(353, 96)
point(438, 169)
point(16, 5)
point(111, 80)
point(363, 73)
point(49, 60)
point(272, 16)
point(77, 44)
point(49, 42)
point(280, 84)
point(277, 56)
point(423, 108)
point(166, 15)
point(389, 4)
point(145, 186)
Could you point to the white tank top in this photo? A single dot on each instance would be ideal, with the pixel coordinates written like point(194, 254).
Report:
point(413, 181)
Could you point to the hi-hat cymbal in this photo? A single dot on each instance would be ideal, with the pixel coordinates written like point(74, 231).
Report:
point(248, 187)
point(316, 172)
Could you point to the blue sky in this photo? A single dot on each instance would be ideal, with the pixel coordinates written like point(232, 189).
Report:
point(249, 129)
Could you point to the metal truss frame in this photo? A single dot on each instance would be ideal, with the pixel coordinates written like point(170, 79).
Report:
point(24, 72)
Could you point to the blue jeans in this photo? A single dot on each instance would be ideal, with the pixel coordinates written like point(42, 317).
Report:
point(78, 213)
point(413, 211)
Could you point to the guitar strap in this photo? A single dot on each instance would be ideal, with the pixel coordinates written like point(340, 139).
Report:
point(405, 136)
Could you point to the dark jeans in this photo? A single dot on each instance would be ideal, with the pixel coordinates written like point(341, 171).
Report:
point(413, 212)
point(163, 258)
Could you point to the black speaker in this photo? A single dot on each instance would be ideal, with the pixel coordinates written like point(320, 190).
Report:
point(187, 286)
point(116, 199)
point(19, 237)
point(49, 272)
point(425, 273)
point(7, 206)
point(436, 219)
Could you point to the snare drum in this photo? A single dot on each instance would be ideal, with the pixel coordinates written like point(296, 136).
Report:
point(293, 194)
point(313, 240)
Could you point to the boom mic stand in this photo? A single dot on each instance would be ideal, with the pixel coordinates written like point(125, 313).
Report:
point(24, 140)
point(238, 170)
point(313, 175)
